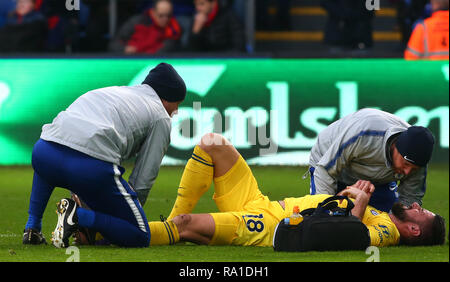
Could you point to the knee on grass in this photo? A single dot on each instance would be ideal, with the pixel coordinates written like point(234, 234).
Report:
point(139, 240)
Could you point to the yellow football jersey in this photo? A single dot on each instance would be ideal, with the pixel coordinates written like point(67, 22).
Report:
point(382, 230)
point(248, 218)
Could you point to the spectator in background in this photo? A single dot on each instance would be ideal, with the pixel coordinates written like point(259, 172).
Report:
point(349, 25)
point(215, 28)
point(25, 29)
point(155, 30)
point(429, 40)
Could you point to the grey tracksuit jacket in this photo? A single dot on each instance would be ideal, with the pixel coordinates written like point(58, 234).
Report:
point(358, 147)
point(114, 124)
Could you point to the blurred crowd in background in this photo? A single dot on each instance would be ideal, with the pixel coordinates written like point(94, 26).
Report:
point(161, 26)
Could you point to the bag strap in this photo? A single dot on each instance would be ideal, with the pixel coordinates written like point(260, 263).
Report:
point(329, 203)
point(307, 212)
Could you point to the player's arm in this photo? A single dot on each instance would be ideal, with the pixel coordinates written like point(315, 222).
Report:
point(149, 158)
point(361, 200)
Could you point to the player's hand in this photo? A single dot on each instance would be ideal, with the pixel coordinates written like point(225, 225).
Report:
point(355, 193)
point(351, 192)
point(365, 186)
point(361, 199)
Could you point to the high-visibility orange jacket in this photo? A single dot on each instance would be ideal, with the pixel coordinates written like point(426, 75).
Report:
point(429, 40)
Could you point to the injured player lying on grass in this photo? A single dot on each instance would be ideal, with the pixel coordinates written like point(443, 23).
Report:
point(248, 218)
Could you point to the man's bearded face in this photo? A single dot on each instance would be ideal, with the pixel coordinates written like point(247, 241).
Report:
point(399, 211)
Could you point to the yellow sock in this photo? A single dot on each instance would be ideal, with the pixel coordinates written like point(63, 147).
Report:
point(163, 233)
point(196, 180)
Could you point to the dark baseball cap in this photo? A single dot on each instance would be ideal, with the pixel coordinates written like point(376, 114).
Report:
point(416, 145)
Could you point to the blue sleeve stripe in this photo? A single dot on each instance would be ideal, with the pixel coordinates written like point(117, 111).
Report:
point(169, 233)
point(198, 157)
point(194, 158)
point(351, 141)
point(312, 185)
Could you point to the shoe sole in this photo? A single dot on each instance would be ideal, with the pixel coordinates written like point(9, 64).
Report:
point(58, 233)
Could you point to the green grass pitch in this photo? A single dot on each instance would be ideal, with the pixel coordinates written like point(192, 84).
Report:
point(276, 182)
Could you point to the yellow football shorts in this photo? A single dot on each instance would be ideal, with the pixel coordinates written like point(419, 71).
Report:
point(246, 217)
